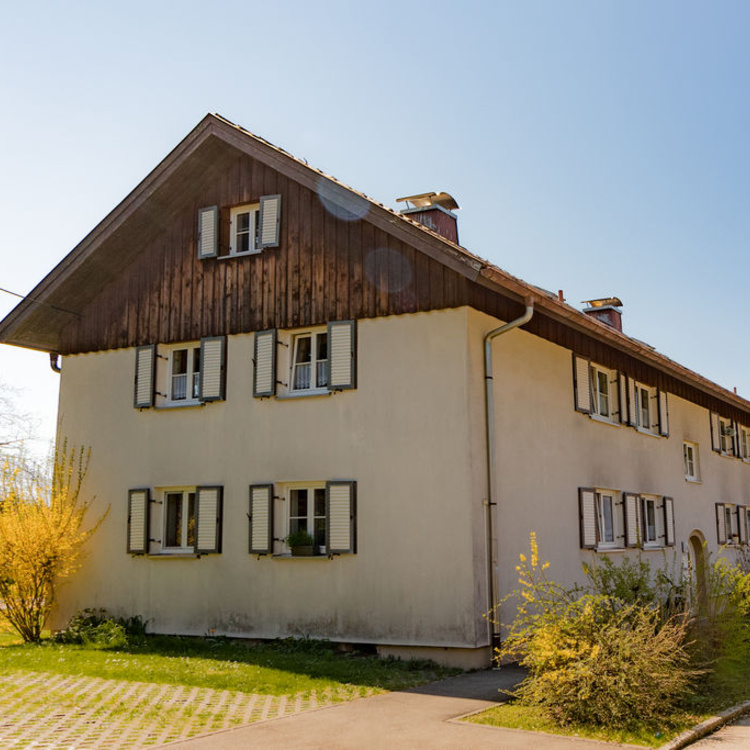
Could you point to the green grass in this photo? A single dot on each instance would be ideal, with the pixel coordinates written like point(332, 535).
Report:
point(277, 668)
point(512, 716)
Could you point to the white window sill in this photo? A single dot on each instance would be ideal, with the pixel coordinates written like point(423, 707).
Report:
point(177, 555)
point(180, 405)
point(231, 256)
point(304, 394)
point(610, 549)
point(642, 431)
point(289, 556)
point(603, 420)
point(693, 480)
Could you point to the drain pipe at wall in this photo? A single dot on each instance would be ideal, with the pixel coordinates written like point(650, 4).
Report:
point(54, 362)
point(493, 621)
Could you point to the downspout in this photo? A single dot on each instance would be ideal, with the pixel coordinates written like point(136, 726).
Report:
point(493, 622)
point(54, 362)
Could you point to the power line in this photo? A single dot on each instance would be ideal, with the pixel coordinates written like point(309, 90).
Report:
point(40, 302)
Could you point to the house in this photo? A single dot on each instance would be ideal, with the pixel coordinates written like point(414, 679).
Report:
point(251, 348)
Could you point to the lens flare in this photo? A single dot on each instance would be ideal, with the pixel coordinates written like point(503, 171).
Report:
point(388, 269)
point(340, 202)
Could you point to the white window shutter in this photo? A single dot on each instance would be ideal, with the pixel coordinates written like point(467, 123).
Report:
point(715, 432)
point(633, 415)
point(341, 512)
point(663, 413)
point(632, 516)
point(587, 518)
point(622, 394)
point(145, 374)
point(668, 504)
point(208, 519)
point(342, 355)
point(581, 384)
point(138, 517)
point(742, 524)
point(264, 373)
point(213, 368)
point(208, 232)
point(721, 527)
point(270, 220)
point(261, 519)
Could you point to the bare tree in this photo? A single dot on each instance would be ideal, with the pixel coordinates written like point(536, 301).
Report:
point(15, 426)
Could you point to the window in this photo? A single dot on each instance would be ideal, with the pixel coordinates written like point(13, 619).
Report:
point(179, 520)
point(602, 399)
point(690, 458)
point(745, 443)
point(325, 510)
point(315, 361)
point(184, 374)
point(307, 512)
point(244, 229)
point(310, 362)
point(610, 519)
point(652, 521)
point(725, 436)
point(607, 518)
point(726, 433)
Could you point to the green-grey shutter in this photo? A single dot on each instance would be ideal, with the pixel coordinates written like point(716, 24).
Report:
point(341, 517)
point(261, 519)
point(269, 217)
point(138, 521)
point(212, 379)
point(342, 355)
point(145, 376)
point(715, 432)
point(264, 372)
point(663, 411)
point(631, 516)
point(668, 505)
point(721, 526)
point(587, 518)
point(208, 519)
point(581, 384)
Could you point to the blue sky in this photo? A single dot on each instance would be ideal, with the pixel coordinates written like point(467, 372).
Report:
point(596, 147)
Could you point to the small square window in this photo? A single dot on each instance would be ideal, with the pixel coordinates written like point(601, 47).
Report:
point(244, 227)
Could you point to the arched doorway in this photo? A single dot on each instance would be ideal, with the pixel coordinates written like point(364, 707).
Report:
point(697, 544)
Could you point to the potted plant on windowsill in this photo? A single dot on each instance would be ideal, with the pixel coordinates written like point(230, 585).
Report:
point(301, 544)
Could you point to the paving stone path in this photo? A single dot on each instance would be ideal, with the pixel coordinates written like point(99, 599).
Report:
point(42, 711)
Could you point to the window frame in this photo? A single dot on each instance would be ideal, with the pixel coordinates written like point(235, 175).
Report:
point(192, 376)
point(312, 486)
point(188, 493)
point(254, 247)
point(695, 476)
point(655, 502)
point(726, 438)
point(596, 373)
point(617, 519)
point(314, 334)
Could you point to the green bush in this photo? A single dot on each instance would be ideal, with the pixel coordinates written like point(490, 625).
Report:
point(597, 658)
point(94, 627)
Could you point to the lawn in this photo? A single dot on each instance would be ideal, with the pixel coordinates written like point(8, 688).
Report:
point(286, 667)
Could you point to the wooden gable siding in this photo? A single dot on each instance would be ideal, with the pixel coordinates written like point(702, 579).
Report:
point(324, 269)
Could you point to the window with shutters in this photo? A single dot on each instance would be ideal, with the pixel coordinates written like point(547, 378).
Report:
point(324, 509)
point(727, 435)
point(244, 230)
point(309, 362)
point(644, 408)
point(652, 521)
point(731, 523)
point(690, 459)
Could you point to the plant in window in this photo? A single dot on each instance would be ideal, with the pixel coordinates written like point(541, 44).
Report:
point(301, 543)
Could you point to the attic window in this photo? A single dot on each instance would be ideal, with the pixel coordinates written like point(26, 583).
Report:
point(244, 229)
